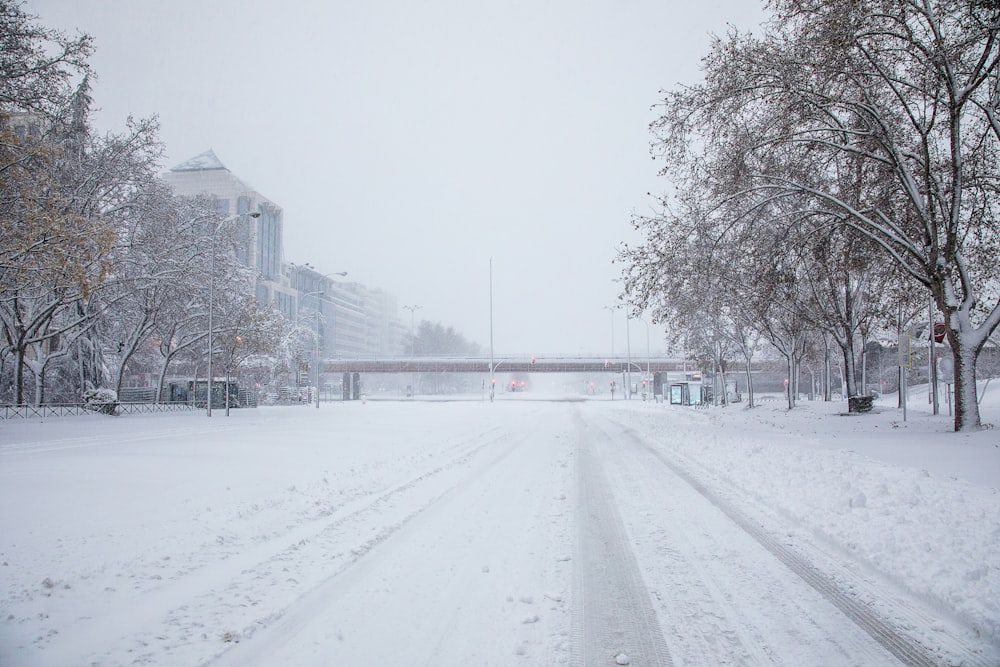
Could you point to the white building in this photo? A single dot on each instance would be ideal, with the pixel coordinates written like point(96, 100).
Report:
point(349, 319)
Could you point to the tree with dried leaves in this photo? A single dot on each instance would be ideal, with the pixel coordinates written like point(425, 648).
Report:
point(878, 116)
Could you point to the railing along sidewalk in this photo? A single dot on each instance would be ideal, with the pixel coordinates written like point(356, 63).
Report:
point(75, 409)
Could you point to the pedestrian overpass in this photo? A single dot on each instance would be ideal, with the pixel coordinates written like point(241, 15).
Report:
point(353, 369)
point(502, 365)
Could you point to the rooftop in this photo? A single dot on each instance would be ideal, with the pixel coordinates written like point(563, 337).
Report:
point(204, 162)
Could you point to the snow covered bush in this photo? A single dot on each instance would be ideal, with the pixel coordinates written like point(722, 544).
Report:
point(104, 401)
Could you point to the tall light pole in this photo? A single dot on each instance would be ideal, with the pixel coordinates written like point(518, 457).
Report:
point(315, 341)
point(493, 368)
point(648, 378)
point(316, 361)
point(413, 339)
point(611, 359)
point(612, 309)
point(316, 348)
point(628, 359)
point(628, 347)
point(211, 307)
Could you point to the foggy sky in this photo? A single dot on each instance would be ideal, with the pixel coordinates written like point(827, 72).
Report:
point(411, 142)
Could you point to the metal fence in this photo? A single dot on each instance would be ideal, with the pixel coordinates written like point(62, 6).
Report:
point(73, 409)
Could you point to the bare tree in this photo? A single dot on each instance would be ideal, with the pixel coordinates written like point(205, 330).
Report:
point(251, 333)
point(37, 64)
point(900, 97)
point(57, 247)
point(158, 252)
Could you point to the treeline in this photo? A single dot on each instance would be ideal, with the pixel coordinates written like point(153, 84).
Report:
point(833, 179)
point(103, 270)
point(433, 339)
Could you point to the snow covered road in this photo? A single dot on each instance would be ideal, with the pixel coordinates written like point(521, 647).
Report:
point(466, 564)
point(726, 591)
point(464, 533)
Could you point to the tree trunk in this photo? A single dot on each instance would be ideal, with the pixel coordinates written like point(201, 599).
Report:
point(19, 374)
point(79, 363)
point(798, 372)
point(966, 403)
point(850, 371)
point(162, 377)
point(789, 389)
point(864, 369)
point(967, 342)
point(40, 386)
point(827, 372)
point(123, 358)
point(725, 388)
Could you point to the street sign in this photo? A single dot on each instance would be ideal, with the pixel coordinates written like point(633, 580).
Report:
point(905, 349)
point(946, 369)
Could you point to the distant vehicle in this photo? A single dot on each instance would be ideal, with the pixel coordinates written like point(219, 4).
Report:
point(517, 384)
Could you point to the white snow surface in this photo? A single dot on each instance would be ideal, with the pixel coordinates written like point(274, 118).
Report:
point(454, 533)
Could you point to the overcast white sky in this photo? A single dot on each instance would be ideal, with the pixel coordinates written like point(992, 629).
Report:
point(410, 142)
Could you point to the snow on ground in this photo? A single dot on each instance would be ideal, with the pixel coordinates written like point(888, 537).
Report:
point(917, 502)
point(416, 532)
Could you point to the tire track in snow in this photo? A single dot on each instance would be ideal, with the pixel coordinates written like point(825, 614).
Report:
point(283, 628)
point(720, 597)
point(906, 649)
point(613, 619)
point(175, 613)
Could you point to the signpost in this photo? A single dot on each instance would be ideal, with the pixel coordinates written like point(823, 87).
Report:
point(946, 368)
point(904, 346)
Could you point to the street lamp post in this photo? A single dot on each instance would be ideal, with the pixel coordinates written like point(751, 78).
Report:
point(493, 368)
point(628, 346)
point(612, 358)
point(649, 377)
point(316, 355)
point(316, 344)
point(414, 308)
point(316, 360)
point(211, 307)
point(612, 309)
point(628, 360)
point(236, 342)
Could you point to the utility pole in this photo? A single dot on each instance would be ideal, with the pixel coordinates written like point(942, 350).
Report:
point(413, 339)
point(493, 379)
